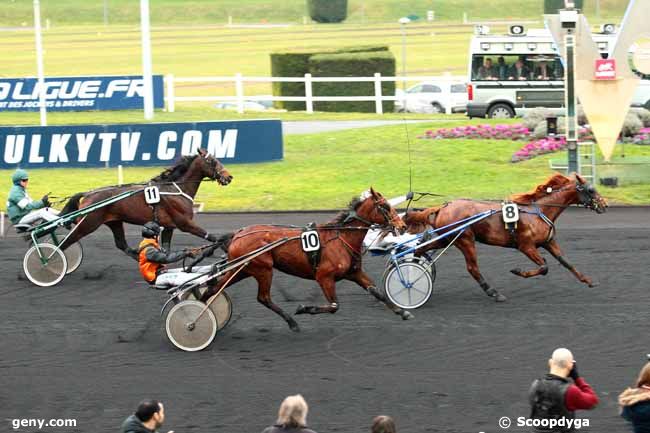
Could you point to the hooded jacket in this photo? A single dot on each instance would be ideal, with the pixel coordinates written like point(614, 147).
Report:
point(133, 425)
point(635, 408)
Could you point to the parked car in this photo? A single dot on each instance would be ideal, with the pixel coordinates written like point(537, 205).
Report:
point(433, 97)
point(248, 106)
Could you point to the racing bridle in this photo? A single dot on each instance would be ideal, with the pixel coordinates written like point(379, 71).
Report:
point(218, 171)
point(586, 193)
point(384, 208)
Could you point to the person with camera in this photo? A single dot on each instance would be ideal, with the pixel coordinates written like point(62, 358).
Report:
point(635, 402)
point(560, 393)
point(21, 209)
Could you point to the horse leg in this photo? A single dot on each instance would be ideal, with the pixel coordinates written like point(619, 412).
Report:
point(264, 278)
point(82, 229)
point(553, 248)
point(468, 248)
point(189, 226)
point(531, 252)
point(117, 227)
point(166, 239)
point(328, 285)
point(362, 279)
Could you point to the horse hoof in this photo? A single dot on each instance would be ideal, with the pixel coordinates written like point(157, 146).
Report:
point(294, 327)
point(300, 310)
point(593, 284)
point(500, 298)
point(407, 316)
point(515, 271)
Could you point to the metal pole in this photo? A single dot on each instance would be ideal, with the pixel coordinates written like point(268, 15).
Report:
point(146, 59)
point(403, 21)
point(570, 95)
point(39, 62)
point(105, 12)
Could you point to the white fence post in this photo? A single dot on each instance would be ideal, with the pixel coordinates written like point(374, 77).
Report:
point(120, 175)
point(2, 224)
point(171, 106)
point(309, 101)
point(379, 108)
point(239, 88)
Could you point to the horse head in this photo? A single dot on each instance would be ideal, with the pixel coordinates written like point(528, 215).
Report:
point(373, 207)
point(213, 168)
point(588, 196)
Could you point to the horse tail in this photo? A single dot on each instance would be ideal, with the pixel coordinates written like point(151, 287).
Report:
point(72, 204)
point(418, 221)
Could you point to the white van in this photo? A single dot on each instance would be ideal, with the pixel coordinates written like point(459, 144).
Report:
point(511, 74)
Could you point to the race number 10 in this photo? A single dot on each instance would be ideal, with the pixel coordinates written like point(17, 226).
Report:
point(152, 195)
point(510, 213)
point(310, 241)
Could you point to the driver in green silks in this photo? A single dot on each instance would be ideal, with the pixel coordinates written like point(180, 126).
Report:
point(21, 209)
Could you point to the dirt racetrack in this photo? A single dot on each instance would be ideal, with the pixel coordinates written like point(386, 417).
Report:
point(91, 347)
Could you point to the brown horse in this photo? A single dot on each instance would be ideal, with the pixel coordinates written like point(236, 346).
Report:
point(340, 255)
point(178, 186)
point(536, 227)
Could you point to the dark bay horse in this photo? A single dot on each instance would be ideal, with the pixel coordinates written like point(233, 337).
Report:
point(340, 255)
point(175, 210)
point(536, 227)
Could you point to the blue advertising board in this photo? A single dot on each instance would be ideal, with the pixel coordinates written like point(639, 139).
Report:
point(237, 141)
point(79, 93)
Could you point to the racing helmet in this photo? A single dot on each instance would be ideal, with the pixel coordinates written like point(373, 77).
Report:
point(19, 175)
point(150, 230)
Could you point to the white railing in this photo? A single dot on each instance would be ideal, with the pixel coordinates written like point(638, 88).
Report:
point(309, 99)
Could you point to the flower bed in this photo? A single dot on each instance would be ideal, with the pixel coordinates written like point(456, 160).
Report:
point(496, 132)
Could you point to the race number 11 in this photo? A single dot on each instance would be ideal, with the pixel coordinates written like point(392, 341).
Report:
point(152, 195)
point(510, 213)
point(310, 241)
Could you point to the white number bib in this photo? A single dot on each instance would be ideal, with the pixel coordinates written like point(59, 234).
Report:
point(510, 213)
point(310, 241)
point(152, 195)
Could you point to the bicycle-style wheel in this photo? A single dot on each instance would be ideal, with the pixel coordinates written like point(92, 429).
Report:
point(47, 268)
point(408, 285)
point(190, 328)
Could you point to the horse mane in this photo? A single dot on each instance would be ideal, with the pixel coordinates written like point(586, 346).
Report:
point(554, 181)
point(342, 216)
point(177, 170)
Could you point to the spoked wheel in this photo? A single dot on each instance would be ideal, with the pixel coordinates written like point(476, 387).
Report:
point(46, 269)
point(408, 285)
point(221, 308)
point(189, 327)
point(74, 255)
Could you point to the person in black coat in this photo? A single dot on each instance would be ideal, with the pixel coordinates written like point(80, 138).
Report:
point(635, 402)
point(148, 418)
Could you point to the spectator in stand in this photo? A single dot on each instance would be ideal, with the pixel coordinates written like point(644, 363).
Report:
point(148, 418)
point(487, 71)
point(292, 416)
point(502, 68)
point(383, 424)
point(555, 397)
point(544, 72)
point(519, 71)
point(635, 402)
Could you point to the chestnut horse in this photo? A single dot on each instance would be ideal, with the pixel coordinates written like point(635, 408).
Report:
point(340, 255)
point(180, 183)
point(538, 211)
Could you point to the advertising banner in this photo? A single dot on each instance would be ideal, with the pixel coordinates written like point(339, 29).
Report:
point(160, 144)
point(79, 93)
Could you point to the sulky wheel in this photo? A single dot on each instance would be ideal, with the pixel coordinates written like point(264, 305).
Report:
point(47, 268)
point(221, 308)
point(190, 326)
point(410, 287)
point(74, 255)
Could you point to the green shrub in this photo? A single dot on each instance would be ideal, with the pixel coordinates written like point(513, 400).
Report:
point(361, 49)
point(328, 11)
point(352, 65)
point(552, 6)
point(289, 65)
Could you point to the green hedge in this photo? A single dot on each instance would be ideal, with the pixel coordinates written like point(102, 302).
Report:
point(552, 6)
point(289, 65)
point(352, 65)
point(296, 64)
point(328, 11)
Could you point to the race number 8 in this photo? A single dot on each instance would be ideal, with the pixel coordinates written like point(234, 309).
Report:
point(510, 213)
point(310, 241)
point(152, 195)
